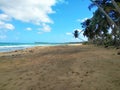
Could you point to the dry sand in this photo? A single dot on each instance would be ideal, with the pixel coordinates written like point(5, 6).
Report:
point(60, 68)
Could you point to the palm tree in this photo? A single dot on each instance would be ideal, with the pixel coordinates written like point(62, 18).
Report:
point(76, 33)
point(103, 11)
point(96, 28)
point(116, 6)
point(101, 6)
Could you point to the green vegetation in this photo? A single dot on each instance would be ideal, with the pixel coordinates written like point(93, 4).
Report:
point(104, 27)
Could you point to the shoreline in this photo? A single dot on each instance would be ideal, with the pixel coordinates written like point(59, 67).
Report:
point(22, 47)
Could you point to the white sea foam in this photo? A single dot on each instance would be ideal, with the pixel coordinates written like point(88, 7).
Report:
point(6, 47)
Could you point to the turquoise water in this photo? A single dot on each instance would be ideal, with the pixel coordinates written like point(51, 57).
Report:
point(6, 47)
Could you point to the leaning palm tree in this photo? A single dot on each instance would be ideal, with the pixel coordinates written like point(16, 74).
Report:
point(96, 28)
point(103, 11)
point(116, 6)
point(76, 35)
point(116, 28)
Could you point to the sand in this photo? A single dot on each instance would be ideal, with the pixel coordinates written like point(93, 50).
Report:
point(79, 67)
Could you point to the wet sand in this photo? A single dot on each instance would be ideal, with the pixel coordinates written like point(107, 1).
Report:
point(79, 67)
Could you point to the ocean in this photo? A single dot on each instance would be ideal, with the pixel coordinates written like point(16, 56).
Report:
point(7, 47)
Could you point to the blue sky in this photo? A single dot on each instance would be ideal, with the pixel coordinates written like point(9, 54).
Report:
point(42, 20)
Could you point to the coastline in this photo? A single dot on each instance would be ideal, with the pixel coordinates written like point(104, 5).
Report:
point(9, 47)
point(68, 67)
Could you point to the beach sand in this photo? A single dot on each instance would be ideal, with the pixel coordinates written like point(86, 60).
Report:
point(73, 67)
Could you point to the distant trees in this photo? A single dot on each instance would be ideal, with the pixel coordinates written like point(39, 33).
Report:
point(104, 27)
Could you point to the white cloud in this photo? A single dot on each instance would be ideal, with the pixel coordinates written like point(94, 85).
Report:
point(28, 29)
point(9, 26)
point(68, 33)
point(45, 28)
point(4, 17)
point(3, 22)
point(81, 20)
point(6, 26)
point(30, 11)
point(78, 20)
point(35, 11)
point(40, 32)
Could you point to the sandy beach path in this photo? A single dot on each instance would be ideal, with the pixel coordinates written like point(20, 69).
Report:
point(60, 68)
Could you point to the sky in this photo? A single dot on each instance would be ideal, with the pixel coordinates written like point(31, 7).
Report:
point(42, 20)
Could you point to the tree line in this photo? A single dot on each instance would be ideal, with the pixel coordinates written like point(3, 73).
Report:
point(104, 26)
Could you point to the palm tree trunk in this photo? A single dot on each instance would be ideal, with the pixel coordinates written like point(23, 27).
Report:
point(116, 6)
point(118, 9)
point(101, 9)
